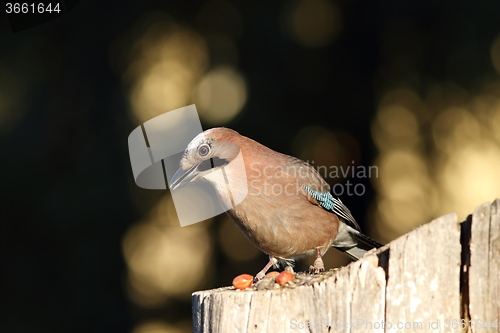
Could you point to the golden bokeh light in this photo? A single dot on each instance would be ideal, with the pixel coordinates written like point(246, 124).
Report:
point(452, 168)
point(397, 121)
point(395, 126)
point(312, 23)
point(234, 243)
point(495, 123)
point(395, 218)
point(485, 107)
point(403, 184)
point(167, 64)
point(495, 53)
point(454, 128)
point(470, 177)
point(220, 95)
point(160, 326)
point(165, 260)
point(400, 165)
point(405, 98)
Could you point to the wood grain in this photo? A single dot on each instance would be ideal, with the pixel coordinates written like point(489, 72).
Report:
point(433, 279)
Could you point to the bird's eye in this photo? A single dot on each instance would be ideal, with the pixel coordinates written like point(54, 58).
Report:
point(203, 150)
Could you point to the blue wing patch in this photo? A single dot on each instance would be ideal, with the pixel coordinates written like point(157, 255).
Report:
point(328, 202)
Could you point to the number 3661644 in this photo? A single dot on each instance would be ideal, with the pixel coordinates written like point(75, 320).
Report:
point(32, 8)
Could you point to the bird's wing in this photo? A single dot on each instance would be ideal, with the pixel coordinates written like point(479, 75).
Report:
point(318, 190)
point(328, 202)
point(305, 174)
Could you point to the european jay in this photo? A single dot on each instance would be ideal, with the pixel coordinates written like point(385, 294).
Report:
point(302, 218)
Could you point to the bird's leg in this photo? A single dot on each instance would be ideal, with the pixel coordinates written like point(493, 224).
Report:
point(318, 265)
point(262, 273)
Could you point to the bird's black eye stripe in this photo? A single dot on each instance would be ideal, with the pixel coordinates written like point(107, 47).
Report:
point(203, 150)
point(212, 163)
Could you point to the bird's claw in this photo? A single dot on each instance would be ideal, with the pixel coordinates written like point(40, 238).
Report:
point(317, 267)
point(259, 276)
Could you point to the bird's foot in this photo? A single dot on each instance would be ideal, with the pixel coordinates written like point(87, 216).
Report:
point(260, 275)
point(317, 267)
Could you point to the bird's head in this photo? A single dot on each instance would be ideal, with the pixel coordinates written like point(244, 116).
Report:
point(207, 152)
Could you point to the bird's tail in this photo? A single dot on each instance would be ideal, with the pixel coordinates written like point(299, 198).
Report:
point(354, 243)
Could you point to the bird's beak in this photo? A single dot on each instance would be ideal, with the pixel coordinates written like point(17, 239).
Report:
point(182, 177)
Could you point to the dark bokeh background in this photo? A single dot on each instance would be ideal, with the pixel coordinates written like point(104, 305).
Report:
point(67, 193)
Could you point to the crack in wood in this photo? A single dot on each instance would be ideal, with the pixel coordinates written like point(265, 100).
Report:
point(465, 238)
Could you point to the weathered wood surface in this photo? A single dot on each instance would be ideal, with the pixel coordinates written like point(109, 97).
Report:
point(484, 270)
point(442, 276)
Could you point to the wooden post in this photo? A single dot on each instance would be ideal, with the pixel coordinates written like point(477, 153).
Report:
point(443, 276)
